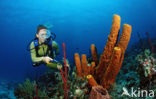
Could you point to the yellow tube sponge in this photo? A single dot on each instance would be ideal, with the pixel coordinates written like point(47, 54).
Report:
point(78, 65)
point(94, 53)
point(107, 53)
point(91, 80)
point(84, 64)
point(124, 39)
point(113, 69)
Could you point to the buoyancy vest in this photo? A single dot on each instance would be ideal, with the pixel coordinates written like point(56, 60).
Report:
point(49, 51)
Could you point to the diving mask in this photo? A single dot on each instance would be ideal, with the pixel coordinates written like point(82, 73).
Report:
point(45, 34)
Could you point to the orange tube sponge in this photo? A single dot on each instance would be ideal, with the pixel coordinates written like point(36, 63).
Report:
point(113, 69)
point(124, 39)
point(112, 39)
point(84, 64)
point(92, 71)
point(94, 53)
point(91, 80)
point(78, 65)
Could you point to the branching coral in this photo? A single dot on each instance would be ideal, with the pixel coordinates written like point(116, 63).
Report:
point(65, 78)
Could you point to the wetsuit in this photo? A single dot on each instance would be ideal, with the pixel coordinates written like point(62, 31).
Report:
point(42, 50)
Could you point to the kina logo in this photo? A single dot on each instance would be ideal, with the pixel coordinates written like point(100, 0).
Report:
point(137, 93)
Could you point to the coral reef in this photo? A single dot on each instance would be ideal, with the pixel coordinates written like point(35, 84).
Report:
point(131, 74)
point(55, 87)
point(147, 63)
point(51, 86)
point(27, 91)
point(147, 68)
point(76, 87)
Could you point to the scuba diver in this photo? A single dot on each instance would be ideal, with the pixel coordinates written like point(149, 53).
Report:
point(44, 49)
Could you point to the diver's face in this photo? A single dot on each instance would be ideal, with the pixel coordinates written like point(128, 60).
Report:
point(41, 35)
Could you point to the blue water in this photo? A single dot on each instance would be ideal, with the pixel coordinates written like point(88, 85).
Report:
point(78, 23)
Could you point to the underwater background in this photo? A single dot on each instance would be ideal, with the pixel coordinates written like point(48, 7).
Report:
point(77, 23)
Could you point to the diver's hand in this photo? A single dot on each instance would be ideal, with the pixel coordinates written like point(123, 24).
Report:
point(59, 66)
point(47, 59)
